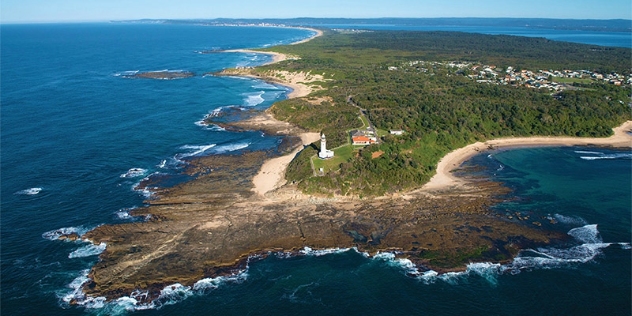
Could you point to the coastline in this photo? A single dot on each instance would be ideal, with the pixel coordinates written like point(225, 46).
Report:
point(271, 176)
point(215, 233)
point(279, 57)
point(444, 179)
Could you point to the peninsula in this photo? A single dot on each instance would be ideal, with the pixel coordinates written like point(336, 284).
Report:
point(405, 200)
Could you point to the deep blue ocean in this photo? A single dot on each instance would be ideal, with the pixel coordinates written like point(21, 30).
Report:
point(77, 135)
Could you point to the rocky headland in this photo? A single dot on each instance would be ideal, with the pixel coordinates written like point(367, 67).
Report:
point(212, 225)
point(238, 208)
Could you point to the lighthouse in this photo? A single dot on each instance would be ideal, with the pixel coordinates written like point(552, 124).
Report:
point(324, 153)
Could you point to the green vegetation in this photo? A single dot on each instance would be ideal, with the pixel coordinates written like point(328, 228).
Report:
point(365, 122)
point(332, 120)
point(573, 80)
point(342, 155)
point(439, 109)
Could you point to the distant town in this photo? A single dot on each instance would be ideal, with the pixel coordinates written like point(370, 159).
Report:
point(553, 80)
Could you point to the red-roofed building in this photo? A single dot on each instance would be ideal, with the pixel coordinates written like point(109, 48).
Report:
point(362, 140)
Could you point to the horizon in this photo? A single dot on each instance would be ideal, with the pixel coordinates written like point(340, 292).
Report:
point(305, 17)
point(78, 11)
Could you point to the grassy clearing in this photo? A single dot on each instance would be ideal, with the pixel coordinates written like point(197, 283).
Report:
point(572, 80)
point(342, 154)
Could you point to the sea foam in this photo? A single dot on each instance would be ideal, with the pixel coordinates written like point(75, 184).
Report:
point(548, 258)
point(55, 234)
point(266, 86)
point(195, 150)
point(231, 147)
point(626, 156)
point(595, 155)
point(88, 250)
point(30, 191)
point(571, 220)
point(137, 300)
point(307, 251)
point(542, 258)
point(254, 98)
point(134, 173)
point(124, 213)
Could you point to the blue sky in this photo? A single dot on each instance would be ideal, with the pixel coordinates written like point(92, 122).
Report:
point(103, 10)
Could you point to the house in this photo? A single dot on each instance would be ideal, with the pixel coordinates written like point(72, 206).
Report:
point(397, 132)
point(362, 140)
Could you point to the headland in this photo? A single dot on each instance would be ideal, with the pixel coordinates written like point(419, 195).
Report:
point(239, 208)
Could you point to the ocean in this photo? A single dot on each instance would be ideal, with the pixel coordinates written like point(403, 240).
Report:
point(77, 136)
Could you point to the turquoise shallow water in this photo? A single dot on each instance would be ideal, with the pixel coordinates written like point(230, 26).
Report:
point(73, 128)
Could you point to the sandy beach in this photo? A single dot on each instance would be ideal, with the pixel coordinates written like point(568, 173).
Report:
point(295, 81)
point(272, 173)
point(444, 179)
point(279, 57)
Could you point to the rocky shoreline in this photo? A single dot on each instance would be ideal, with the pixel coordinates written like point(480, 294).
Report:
point(214, 225)
point(217, 223)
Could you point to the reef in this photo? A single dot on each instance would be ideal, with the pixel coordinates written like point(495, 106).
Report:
point(162, 75)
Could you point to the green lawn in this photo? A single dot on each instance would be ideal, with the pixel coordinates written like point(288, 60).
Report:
point(572, 80)
point(365, 122)
point(341, 154)
point(381, 132)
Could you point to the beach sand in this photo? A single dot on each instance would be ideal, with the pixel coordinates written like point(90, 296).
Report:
point(444, 179)
point(272, 173)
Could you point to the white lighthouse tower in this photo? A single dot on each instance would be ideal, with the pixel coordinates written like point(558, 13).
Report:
point(324, 153)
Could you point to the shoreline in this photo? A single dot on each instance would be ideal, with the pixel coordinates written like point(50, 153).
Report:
point(278, 57)
point(212, 232)
point(271, 176)
point(444, 179)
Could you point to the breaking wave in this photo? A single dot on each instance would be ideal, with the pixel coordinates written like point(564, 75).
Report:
point(137, 300)
point(55, 234)
point(232, 147)
point(254, 98)
point(542, 258)
point(307, 251)
point(127, 73)
point(30, 191)
point(571, 220)
point(195, 150)
point(266, 86)
point(599, 155)
point(134, 173)
point(88, 250)
point(588, 152)
point(124, 213)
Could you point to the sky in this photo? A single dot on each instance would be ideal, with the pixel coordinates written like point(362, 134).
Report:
point(35, 11)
